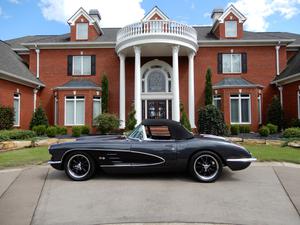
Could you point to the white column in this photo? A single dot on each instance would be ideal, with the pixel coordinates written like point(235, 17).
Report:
point(122, 91)
point(37, 63)
point(175, 89)
point(277, 60)
point(191, 90)
point(35, 91)
point(137, 85)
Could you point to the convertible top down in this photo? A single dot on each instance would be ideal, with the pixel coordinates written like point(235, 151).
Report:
point(153, 146)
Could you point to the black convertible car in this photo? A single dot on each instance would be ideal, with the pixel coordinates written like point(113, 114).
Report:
point(154, 145)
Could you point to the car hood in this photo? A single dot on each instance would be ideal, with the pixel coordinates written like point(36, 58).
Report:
point(211, 137)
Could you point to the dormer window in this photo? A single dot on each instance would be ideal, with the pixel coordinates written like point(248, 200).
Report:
point(230, 29)
point(82, 31)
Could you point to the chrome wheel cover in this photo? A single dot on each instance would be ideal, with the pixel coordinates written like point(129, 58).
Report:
point(206, 167)
point(78, 166)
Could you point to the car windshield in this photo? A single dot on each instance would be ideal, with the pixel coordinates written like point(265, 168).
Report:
point(137, 133)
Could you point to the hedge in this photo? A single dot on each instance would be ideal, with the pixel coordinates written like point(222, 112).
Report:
point(293, 132)
point(6, 135)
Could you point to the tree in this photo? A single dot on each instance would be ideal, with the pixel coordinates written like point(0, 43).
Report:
point(208, 88)
point(7, 116)
point(211, 121)
point(184, 119)
point(39, 118)
point(275, 113)
point(104, 94)
point(131, 121)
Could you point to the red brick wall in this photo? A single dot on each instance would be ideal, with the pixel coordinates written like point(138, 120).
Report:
point(53, 72)
point(8, 89)
point(290, 100)
point(25, 58)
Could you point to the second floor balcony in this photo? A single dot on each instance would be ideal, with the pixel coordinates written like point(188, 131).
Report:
point(157, 32)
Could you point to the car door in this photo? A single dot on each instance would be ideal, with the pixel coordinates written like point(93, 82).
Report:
point(158, 145)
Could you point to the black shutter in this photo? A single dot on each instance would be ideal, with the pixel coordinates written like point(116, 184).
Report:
point(70, 65)
point(244, 62)
point(220, 63)
point(93, 65)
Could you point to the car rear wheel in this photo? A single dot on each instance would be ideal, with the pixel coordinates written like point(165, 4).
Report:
point(206, 166)
point(79, 166)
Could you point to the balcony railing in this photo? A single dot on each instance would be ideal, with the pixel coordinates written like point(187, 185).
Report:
point(159, 27)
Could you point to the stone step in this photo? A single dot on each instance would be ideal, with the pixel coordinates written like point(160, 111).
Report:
point(18, 203)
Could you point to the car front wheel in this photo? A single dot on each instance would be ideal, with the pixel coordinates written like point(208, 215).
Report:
point(205, 166)
point(79, 166)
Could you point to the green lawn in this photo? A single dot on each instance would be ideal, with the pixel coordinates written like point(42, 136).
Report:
point(274, 153)
point(34, 156)
point(22, 157)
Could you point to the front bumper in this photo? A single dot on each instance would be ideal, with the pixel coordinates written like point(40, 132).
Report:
point(56, 164)
point(239, 164)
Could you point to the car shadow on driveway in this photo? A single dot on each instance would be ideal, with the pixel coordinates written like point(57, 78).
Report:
point(226, 176)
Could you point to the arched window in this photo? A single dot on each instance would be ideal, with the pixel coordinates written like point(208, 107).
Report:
point(156, 80)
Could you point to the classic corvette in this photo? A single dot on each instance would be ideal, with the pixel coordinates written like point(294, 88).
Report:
point(153, 146)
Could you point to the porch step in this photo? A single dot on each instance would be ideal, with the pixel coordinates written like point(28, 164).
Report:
point(18, 203)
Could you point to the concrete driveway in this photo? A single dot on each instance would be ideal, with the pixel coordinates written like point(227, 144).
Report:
point(262, 194)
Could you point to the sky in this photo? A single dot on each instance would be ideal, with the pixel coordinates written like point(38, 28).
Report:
point(31, 17)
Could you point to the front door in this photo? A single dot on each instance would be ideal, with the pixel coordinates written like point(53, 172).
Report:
point(156, 109)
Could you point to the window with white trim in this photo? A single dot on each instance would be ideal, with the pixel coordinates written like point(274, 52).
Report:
point(74, 110)
point(17, 108)
point(217, 101)
point(230, 29)
point(232, 63)
point(97, 109)
point(82, 65)
point(82, 31)
point(298, 97)
point(240, 109)
point(259, 109)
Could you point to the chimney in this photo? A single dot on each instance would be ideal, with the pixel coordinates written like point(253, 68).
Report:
point(94, 13)
point(216, 13)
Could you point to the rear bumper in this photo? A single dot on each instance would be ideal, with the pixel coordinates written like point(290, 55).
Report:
point(239, 164)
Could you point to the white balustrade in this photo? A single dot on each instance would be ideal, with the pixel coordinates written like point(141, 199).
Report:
point(163, 27)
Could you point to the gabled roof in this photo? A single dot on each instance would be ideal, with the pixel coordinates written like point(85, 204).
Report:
point(235, 83)
point(13, 69)
point(291, 72)
point(154, 11)
point(79, 84)
point(233, 10)
point(82, 12)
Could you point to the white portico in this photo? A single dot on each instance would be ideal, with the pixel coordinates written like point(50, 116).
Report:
point(156, 83)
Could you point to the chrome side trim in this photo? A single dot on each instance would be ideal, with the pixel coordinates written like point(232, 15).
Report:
point(116, 150)
point(54, 162)
point(242, 160)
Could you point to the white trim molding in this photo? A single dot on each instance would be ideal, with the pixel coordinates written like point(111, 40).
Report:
point(122, 103)
point(154, 11)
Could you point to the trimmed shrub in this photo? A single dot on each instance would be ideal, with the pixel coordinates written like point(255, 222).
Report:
point(76, 131)
point(295, 123)
point(244, 129)
point(105, 93)
point(61, 130)
point(184, 119)
point(234, 129)
point(211, 121)
point(7, 116)
point(6, 135)
point(39, 118)
point(51, 131)
point(40, 130)
point(131, 121)
point(208, 88)
point(107, 123)
point(275, 113)
point(85, 130)
point(264, 131)
point(273, 128)
point(293, 132)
